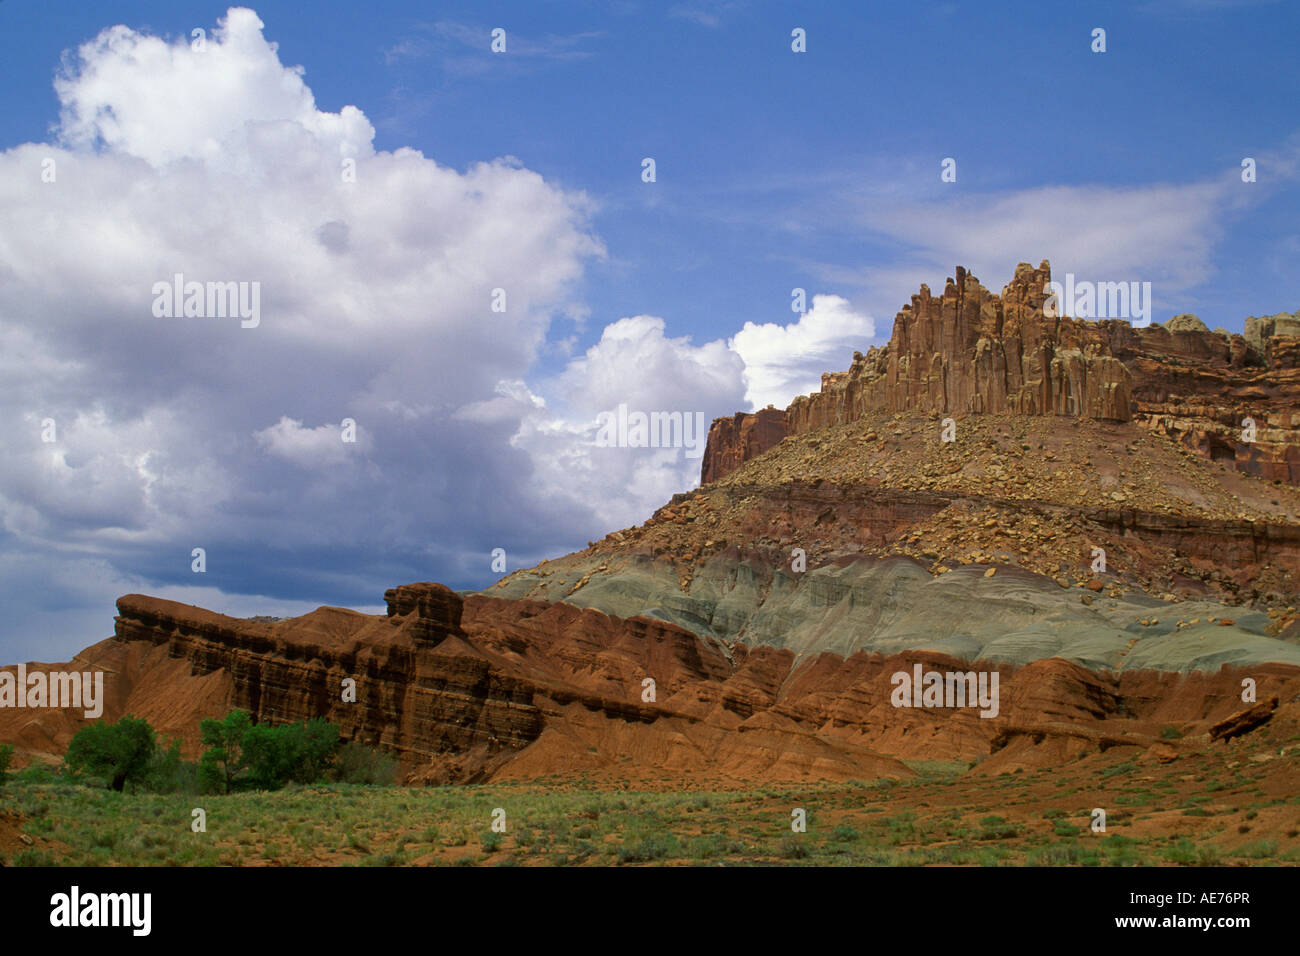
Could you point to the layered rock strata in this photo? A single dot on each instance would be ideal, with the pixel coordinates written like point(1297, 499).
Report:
point(521, 690)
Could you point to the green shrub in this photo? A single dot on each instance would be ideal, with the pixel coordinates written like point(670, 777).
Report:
point(1259, 850)
point(358, 763)
point(6, 755)
point(1127, 767)
point(653, 847)
point(168, 773)
point(30, 857)
point(998, 831)
point(793, 848)
point(38, 772)
point(314, 745)
point(1183, 853)
point(1170, 733)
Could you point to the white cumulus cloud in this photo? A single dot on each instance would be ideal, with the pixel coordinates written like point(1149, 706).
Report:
point(376, 294)
point(782, 361)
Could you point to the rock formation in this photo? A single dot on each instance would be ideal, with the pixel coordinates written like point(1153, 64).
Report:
point(1095, 468)
point(733, 441)
point(969, 351)
point(519, 689)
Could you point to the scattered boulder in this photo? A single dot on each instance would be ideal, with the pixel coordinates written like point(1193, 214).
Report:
point(1243, 722)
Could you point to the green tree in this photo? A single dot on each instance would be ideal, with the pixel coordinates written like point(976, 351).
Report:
point(118, 752)
point(320, 742)
point(226, 757)
point(6, 755)
point(270, 752)
point(300, 752)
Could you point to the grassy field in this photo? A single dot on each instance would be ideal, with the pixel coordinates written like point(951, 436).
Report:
point(941, 818)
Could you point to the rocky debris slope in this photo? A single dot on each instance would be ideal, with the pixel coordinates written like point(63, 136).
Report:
point(489, 689)
point(1074, 514)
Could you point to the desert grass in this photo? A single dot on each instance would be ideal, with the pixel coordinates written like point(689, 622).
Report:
point(944, 817)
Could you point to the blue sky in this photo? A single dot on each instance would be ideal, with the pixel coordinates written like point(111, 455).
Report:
point(775, 170)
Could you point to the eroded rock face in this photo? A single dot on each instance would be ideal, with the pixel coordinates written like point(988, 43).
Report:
point(430, 611)
point(969, 351)
point(1261, 332)
point(519, 689)
point(1204, 390)
point(423, 691)
point(733, 441)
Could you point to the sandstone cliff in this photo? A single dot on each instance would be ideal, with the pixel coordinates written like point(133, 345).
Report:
point(969, 351)
point(490, 689)
point(733, 441)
